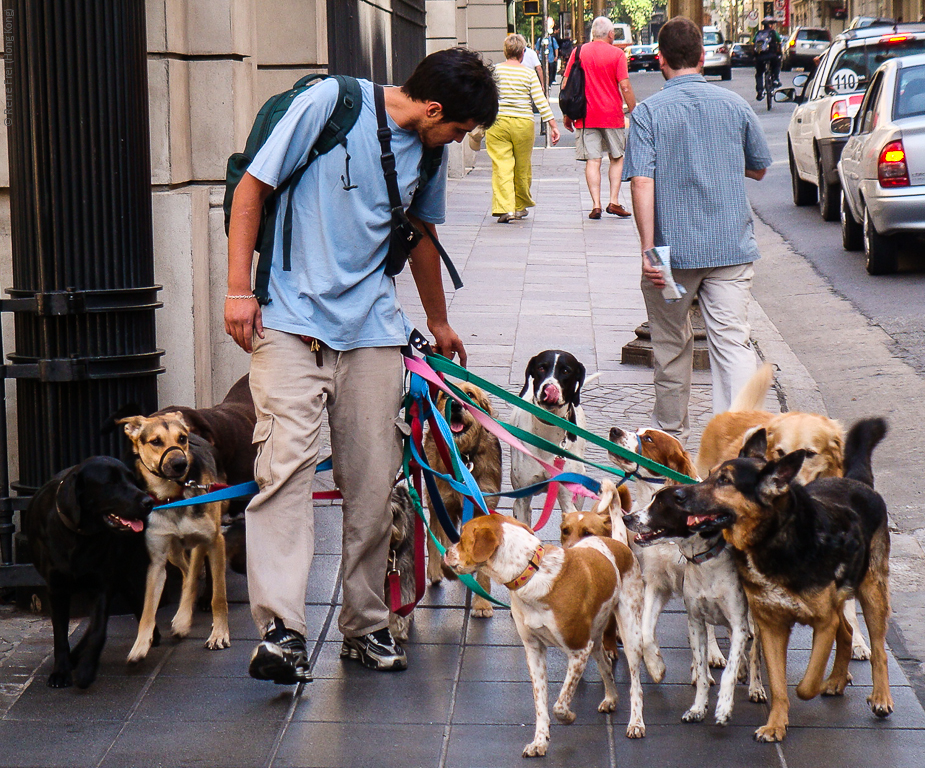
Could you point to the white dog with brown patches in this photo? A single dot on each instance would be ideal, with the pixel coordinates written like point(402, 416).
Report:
point(563, 598)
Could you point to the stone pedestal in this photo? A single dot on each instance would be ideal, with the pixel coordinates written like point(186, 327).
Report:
point(639, 351)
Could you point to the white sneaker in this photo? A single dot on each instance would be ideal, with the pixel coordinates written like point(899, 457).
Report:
point(521, 214)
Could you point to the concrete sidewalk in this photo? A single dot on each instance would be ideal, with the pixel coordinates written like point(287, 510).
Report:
point(556, 279)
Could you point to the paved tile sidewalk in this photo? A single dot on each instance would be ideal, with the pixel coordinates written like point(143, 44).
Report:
point(555, 280)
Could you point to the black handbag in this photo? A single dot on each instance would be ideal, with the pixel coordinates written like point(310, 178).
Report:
point(572, 100)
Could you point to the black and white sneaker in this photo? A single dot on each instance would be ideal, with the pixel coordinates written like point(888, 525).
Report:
point(377, 650)
point(281, 657)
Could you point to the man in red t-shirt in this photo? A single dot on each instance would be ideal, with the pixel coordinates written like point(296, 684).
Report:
point(603, 131)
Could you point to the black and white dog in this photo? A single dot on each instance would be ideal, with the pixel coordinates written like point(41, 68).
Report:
point(553, 380)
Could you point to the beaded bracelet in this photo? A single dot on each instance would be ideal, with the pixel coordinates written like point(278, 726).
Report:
point(240, 296)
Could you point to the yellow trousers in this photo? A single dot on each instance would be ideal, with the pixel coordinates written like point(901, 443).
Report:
point(510, 144)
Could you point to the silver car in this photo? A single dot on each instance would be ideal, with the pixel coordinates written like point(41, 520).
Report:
point(717, 58)
point(882, 167)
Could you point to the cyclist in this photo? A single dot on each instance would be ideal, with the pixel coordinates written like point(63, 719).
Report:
point(767, 53)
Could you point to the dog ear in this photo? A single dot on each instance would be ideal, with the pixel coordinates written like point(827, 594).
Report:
point(756, 445)
point(199, 426)
point(776, 476)
point(608, 489)
point(527, 376)
point(626, 500)
point(66, 497)
point(484, 544)
point(132, 426)
point(178, 415)
point(580, 374)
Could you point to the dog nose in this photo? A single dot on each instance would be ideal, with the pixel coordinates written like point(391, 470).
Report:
point(615, 434)
point(680, 494)
point(178, 464)
point(146, 503)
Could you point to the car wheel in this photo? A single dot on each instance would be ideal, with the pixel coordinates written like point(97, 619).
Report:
point(879, 250)
point(804, 193)
point(726, 73)
point(852, 233)
point(828, 194)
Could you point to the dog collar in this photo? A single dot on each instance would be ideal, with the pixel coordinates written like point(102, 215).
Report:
point(712, 552)
point(532, 567)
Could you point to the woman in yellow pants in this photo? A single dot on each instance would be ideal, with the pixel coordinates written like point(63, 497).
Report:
point(509, 141)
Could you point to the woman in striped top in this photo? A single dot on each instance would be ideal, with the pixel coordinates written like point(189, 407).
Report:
point(509, 141)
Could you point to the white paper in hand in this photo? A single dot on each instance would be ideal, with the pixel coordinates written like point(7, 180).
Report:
point(660, 257)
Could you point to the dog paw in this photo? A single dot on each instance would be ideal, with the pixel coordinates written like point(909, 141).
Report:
point(860, 651)
point(60, 679)
point(881, 707)
point(536, 748)
point(180, 627)
point(139, 651)
point(482, 609)
point(218, 641)
point(770, 734)
point(835, 686)
point(564, 715)
point(656, 667)
point(635, 730)
point(607, 705)
point(84, 676)
point(723, 716)
point(757, 695)
point(694, 715)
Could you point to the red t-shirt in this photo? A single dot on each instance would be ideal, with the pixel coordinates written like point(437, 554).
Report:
point(605, 66)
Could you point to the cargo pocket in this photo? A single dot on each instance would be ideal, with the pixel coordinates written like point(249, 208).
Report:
point(263, 439)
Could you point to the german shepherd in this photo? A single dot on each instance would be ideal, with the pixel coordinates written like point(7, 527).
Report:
point(801, 551)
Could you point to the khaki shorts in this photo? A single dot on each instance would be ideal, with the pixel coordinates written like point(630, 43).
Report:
point(592, 143)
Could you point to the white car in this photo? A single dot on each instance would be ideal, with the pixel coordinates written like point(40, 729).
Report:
point(834, 92)
point(717, 54)
point(882, 167)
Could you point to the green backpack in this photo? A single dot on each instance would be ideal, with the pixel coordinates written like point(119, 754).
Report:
point(346, 112)
point(342, 119)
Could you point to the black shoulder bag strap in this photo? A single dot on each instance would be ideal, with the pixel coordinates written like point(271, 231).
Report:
point(387, 159)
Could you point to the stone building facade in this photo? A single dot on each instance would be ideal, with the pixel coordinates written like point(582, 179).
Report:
point(211, 64)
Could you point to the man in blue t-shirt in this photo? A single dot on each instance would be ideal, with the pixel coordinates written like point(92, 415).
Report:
point(768, 52)
point(551, 45)
point(330, 338)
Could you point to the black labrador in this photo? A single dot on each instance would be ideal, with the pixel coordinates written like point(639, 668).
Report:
point(85, 529)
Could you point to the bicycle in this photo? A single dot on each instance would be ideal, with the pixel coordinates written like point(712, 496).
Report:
point(769, 83)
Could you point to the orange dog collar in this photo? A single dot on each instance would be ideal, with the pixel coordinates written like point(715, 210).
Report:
point(532, 567)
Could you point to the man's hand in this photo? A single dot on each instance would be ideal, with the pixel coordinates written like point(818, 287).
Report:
point(567, 122)
point(652, 274)
point(242, 319)
point(447, 343)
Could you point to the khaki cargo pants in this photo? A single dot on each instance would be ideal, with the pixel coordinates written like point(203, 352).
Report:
point(361, 390)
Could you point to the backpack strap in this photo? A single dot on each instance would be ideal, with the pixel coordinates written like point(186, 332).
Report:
point(335, 130)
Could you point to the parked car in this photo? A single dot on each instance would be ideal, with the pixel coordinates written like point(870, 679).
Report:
point(642, 57)
point(861, 22)
point(835, 91)
point(717, 60)
point(803, 46)
point(742, 54)
point(882, 167)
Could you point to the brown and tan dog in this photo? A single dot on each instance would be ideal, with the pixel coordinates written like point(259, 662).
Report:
point(819, 436)
point(481, 452)
point(801, 551)
point(171, 464)
point(613, 502)
point(565, 598)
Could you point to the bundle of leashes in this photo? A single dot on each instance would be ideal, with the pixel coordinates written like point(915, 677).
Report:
point(425, 378)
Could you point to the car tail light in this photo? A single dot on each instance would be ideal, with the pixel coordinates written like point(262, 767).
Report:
point(891, 167)
point(722, 49)
point(793, 43)
point(839, 109)
point(896, 39)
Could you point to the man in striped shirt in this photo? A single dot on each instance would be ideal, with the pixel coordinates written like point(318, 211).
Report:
point(690, 148)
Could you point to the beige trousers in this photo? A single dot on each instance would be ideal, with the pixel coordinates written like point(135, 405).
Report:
point(361, 390)
point(724, 295)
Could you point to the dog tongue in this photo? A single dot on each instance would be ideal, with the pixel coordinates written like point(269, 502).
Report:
point(551, 394)
point(693, 520)
point(136, 525)
point(456, 426)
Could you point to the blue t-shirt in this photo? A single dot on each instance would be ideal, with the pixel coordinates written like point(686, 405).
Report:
point(337, 290)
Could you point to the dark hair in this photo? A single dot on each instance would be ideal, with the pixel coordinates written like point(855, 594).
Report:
point(458, 79)
point(680, 42)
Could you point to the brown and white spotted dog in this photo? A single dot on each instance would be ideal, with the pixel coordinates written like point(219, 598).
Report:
point(171, 464)
point(801, 551)
point(561, 597)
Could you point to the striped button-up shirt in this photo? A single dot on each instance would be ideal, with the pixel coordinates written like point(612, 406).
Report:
point(696, 140)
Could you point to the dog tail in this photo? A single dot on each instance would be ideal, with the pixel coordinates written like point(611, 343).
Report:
point(862, 438)
point(751, 396)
